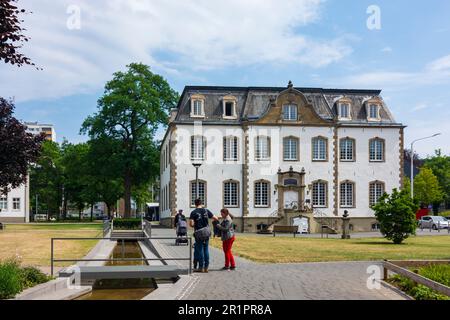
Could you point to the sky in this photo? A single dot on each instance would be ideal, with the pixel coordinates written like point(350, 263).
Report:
point(401, 47)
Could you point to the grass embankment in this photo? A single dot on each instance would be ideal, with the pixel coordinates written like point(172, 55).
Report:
point(295, 250)
point(30, 243)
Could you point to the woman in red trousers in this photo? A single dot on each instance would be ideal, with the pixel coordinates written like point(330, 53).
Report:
point(227, 235)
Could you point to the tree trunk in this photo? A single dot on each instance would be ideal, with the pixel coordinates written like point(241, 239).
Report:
point(127, 195)
point(108, 207)
point(92, 211)
point(79, 214)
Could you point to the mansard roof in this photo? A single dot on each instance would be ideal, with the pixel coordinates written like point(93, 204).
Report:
point(252, 103)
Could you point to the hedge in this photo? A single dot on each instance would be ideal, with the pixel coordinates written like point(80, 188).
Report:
point(127, 224)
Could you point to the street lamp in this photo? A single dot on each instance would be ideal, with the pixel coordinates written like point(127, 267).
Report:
point(196, 165)
point(412, 160)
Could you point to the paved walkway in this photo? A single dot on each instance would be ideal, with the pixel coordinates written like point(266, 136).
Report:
point(333, 280)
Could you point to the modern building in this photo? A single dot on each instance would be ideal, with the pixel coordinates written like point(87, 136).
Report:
point(15, 206)
point(277, 155)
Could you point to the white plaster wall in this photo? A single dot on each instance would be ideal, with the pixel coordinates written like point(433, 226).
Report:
point(21, 193)
point(267, 170)
point(362, 172)
point(164, 179)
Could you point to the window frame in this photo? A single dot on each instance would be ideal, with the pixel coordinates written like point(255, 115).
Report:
point(233, 101)
point(269, 151)
point(192, 148)
point(231, 181)
point(268, 193)
point(347, 206)
point(313, 141)
point(297, 146)
point(349, 110)
point(14, 203)
point(4, 201)
point(353, 149)
point(200, 100)
point(373, 184)
point(383, 153)
point(290, 106)
point(325, 183)
point(225, 148)
point(191, 192)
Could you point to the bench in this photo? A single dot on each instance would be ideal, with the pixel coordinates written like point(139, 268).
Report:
point(285, 229)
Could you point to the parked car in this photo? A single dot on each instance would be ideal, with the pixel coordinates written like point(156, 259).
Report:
point(434, 222)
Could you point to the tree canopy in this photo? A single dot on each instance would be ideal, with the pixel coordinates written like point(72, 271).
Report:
point(18, 149)
point(134, 105)
point(426, 187)
point(440, 164)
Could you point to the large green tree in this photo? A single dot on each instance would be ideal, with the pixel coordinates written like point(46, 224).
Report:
point(440, 164)
point(134, 105)
point(396, 215)
point(426, 187)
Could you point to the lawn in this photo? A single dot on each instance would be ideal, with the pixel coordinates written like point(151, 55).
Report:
point(291, 250)
point(31, 242)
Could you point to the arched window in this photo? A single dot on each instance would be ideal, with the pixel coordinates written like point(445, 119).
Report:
point(347, 194)
point(319, 194)
point(231, 194)
point(262, 194)
point(376, 150)
point(262, 148)
point(347, 150)
point(376, 190)
point(201, 192)
point(198, 148)
point(319, 149)
point(290, 149)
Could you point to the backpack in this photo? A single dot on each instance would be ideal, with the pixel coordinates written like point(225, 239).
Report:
point(204, 233)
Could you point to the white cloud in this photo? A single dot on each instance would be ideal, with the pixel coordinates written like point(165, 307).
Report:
point(386, 50)
point(174, 37)
point(420, 106)
point(440, 64)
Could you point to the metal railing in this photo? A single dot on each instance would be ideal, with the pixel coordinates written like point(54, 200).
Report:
point(107, 225)
point(53, 260)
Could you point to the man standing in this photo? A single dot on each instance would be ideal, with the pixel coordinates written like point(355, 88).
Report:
point(199, 220)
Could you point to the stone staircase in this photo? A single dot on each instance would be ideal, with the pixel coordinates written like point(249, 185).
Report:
point(126, 234)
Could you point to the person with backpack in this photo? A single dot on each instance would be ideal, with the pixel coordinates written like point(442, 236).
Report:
point(228, 237)
point(177, 218)
point(199, 220)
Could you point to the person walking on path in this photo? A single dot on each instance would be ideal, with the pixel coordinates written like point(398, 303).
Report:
point(177, 218)
point(228, 237)
point(199, 220)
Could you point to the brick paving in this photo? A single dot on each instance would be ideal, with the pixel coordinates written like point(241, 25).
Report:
point(305, 281)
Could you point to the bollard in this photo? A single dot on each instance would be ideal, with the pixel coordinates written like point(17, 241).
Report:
point(439, 226)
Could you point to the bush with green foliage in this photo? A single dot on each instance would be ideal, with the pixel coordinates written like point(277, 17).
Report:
point(438, 273)
point(127, 224)
point(396, 215)
point(14, 278)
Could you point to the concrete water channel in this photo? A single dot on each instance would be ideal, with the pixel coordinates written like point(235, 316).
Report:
point(124, 265)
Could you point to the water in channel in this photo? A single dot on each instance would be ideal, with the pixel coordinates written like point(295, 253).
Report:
point(122, 289)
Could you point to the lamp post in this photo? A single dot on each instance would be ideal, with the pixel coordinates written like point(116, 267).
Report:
point(412, 160)
point(196, 165)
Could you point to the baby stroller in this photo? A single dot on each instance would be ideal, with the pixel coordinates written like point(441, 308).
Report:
point(181, 232)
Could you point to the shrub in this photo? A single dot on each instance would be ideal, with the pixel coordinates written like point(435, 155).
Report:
point(10, 279)
point(396, 215)
point(31, 276)
point(127, 224)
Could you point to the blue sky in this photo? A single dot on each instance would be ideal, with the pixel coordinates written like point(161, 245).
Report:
point(238, 43)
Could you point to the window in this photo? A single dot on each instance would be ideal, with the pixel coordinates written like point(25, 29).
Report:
point(262, 194)
point(290, 112)
point(373, 111)
point(376, 150)
point(201, 192)
point(198, 147)
point(262, 148)
point(16, 203)
point(230, 149)
point(376, 190)
point(229, 109)
point(231, 194)
point(344, 111)
point(319, 149)
point(347, 149)
point(290, 149)
point(3, 202)
point(347, 194)
point(291, 182)
point(197, 109)
point(319, 194)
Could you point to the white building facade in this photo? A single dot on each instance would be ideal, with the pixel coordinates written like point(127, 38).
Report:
point(273, 155)
point(15, 206)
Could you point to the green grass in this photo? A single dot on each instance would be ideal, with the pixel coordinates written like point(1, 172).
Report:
point(55, 226)
point(295, 250)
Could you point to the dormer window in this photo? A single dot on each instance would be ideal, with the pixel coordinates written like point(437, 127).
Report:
point(344, 111)
point(373, 112)
point(197, 106)
point(229, 107)
point(290, 112)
